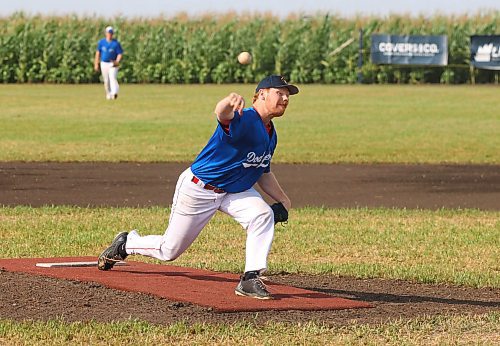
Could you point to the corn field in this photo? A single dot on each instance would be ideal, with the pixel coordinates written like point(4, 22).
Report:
point(36, 49)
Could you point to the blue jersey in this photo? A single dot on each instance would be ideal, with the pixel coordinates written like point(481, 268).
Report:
point(236, 159)
point(109, 50)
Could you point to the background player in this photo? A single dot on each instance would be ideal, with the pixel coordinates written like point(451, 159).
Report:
point(237, 156)
point(108, 55)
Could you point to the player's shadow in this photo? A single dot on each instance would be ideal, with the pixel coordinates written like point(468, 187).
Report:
point(347, 294)
point(401, 298)
point(198, 277)
point(313, 294)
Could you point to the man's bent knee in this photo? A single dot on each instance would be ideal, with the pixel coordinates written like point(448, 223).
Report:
point(169, 254)
point(264, 217)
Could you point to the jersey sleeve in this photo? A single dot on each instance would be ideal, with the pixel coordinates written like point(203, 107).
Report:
point(98, 46)
point(268, 168)
point(119, 49)
point(236, 128)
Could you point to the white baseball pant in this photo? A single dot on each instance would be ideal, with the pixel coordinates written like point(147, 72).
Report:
point(193, 207)
point(109, 76)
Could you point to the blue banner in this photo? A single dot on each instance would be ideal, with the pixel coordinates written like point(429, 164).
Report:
point(485, 52)
point(409, 50)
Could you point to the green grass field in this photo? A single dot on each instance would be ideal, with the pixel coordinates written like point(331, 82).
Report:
point(459, 247)
point(444, 246)
point(478, 330)
point(361, 124)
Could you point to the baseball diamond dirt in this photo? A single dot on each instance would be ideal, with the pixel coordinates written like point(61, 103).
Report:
point(30, 297)
point(335, 186)
point(132, 184)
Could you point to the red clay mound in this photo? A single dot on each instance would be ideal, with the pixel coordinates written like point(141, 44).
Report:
point(201, 287)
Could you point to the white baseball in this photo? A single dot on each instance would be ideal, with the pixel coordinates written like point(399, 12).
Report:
point(244, 58)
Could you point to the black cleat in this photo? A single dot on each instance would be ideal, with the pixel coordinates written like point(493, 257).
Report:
point(114, 253)
point(252, 287)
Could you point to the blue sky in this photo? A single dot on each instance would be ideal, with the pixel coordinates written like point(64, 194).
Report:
point(147, 8)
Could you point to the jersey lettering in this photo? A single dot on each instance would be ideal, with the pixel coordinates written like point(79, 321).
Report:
point(257, 161)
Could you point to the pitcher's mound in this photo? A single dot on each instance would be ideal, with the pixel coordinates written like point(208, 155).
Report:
point(201, 287)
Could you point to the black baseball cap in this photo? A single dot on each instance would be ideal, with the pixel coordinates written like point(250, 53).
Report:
point(276, 81)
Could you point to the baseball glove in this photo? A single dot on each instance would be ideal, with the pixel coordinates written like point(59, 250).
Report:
point(280, 213)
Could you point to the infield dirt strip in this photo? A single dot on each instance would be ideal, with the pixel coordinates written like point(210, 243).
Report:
point(26, 296)
point(335, 186)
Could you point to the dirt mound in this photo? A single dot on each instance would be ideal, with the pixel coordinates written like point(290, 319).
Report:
point(31, 297)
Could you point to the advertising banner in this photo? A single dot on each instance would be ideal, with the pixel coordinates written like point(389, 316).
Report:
point(485, 52)
point(409, 50)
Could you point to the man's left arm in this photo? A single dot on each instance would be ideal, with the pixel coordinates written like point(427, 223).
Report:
point(118, 59)
point(269, 184)
point(119, 55)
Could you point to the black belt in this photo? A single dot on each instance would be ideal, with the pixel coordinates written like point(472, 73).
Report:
point(208, 186)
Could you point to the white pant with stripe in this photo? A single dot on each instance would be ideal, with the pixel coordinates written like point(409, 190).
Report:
point(193, 207)
point(109, 76)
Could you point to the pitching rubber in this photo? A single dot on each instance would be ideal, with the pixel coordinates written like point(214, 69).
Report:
point(74, 264)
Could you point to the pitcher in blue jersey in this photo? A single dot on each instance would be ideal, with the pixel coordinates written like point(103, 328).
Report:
point(237, 156)
point(108, 55)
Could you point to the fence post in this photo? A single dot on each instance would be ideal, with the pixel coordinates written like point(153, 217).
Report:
point(472, 76)
point(360, 57)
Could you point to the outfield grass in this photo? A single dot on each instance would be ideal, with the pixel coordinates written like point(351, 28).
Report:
point(444, 246)
point(442, 330)
point(460, 247)
point(327, 124)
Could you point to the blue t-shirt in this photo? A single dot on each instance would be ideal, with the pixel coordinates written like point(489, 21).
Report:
point(109, 50)
point(235, 160)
